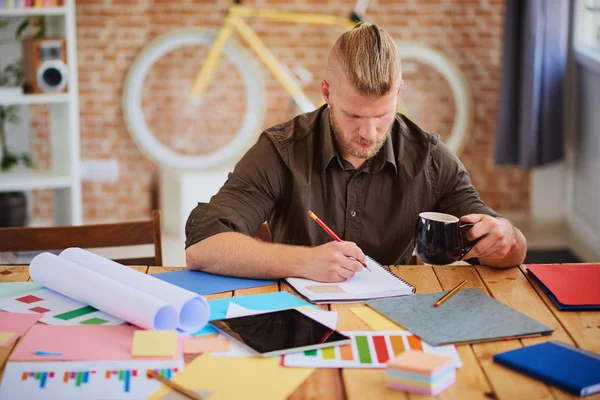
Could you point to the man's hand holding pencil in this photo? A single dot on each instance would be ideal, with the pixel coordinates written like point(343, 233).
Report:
point(335, 261)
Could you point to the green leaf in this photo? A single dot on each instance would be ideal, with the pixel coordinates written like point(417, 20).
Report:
point(26, 158)
point(40, 21)
point(42, 31)
point(21, 28)
point(8, 161)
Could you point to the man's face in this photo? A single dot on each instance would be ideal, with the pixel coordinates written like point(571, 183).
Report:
point(360, 123)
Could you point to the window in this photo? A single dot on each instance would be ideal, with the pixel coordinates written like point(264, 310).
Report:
point(586, 32)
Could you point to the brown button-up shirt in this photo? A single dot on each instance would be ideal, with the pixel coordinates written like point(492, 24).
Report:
point(295, 167)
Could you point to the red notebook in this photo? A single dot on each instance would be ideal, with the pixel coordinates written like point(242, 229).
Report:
point(571, 284)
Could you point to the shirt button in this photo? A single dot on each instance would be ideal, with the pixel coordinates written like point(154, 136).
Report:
point(353, 213)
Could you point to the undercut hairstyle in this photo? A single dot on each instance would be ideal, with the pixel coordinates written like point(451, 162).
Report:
point(369, 58)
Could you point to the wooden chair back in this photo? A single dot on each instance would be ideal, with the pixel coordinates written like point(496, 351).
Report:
point(88, 236)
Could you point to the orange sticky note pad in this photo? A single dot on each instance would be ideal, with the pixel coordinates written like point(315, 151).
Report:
point(154, 344)
point(205, 345)
point(5, 337)
point(420, 363)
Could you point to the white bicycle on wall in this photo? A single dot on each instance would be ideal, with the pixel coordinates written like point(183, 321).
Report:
point(192, 82)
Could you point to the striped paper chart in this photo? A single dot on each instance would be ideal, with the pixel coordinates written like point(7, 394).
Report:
point(84, 379)
point(57, 309)
point(369, 349)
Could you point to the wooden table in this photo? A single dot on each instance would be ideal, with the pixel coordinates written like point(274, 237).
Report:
point(479, 378)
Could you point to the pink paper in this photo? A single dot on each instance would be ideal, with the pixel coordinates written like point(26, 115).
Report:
point(18, 323)
point(81, 343)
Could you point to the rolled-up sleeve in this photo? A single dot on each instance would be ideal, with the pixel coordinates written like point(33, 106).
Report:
point(246, 199)
point(452, 185)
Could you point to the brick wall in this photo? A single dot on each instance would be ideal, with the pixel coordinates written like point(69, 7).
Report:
point(111, 33)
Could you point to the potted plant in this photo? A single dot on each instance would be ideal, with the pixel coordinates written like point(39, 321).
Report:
point(13, 205)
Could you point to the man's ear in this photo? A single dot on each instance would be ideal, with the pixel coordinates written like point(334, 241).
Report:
point(401, 86)
point(325, 91)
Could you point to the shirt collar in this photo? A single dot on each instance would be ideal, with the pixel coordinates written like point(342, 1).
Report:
point(329, 148)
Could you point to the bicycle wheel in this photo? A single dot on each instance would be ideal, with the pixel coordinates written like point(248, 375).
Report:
point(462, 103)
point(188, 136)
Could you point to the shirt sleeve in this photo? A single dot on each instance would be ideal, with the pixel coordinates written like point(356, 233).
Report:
point(452, 185)
point(246, 199)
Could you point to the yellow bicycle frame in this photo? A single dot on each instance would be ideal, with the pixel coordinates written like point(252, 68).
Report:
point(234, 21)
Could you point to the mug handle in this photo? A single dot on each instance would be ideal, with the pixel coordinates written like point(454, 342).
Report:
point(464, 228)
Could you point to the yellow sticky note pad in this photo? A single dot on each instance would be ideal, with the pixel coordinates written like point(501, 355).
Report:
point(5, 337)
point(154, 344)
point(375, 320)
point(238, 378)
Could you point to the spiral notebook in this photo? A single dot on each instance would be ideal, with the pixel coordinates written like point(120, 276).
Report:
point(364, 285)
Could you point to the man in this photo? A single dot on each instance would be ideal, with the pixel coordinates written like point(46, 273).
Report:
point(365, 170)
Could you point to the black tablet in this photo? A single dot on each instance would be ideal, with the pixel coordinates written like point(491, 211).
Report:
point(280, 332)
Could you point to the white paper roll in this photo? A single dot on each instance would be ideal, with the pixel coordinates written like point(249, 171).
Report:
point(103, 293)
point(193, 309)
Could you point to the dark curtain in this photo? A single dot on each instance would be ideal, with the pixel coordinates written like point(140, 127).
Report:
point(530, 118)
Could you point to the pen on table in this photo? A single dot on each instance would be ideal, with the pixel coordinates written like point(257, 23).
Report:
point(450, 293)
point(332, 234)
point(176, 387)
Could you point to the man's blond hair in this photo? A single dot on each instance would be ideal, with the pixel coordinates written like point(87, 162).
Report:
point(369, 58)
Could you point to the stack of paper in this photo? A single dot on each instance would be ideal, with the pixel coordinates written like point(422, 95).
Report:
point(116, 290)
point(419, 372)
point(90, 362)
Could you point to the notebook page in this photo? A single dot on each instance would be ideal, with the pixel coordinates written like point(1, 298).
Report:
point(363, 283)
point(374, 281)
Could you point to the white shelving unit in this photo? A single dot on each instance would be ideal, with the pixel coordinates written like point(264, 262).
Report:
point(64, 175)
point(25, 12)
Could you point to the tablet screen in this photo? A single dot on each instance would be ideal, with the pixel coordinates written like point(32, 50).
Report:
point(280, 332)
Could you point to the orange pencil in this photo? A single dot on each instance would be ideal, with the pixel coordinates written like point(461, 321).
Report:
point(332, 234)
point(450, 293)
point(176, 387)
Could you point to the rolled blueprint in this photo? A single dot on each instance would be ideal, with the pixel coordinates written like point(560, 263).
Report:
point(193, 309)
point(103, 293)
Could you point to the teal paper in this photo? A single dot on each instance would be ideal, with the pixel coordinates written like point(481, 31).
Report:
point(269, 301)
point(13, 289)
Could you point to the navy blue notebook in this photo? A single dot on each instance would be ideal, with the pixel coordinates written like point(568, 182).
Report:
point(556, 363)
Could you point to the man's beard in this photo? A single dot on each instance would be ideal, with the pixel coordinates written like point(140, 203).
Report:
point(351, 146)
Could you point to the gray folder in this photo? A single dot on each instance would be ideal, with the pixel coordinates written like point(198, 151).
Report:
point(468, 316)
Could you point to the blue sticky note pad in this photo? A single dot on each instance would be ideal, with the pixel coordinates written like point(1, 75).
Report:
point(265, 302)
point(204, 283)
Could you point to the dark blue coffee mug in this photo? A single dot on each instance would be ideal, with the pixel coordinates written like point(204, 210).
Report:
point(440, 238)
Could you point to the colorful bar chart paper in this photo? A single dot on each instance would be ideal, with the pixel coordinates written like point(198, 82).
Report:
point(57, 309)
point(368, 349)
point(83, 379)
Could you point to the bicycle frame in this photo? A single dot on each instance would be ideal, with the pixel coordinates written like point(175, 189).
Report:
point(234, 22)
